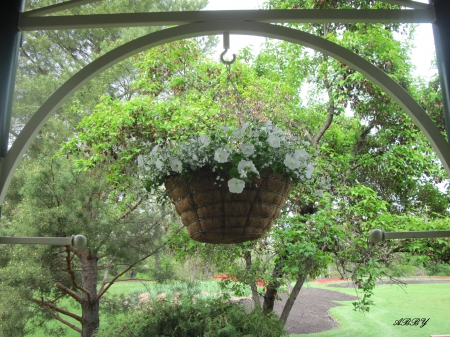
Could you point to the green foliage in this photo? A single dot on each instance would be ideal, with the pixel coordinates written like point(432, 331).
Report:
point(13, 317)
point(438, 269)
point(178, 93)
point(189, 317)
point(165, 272)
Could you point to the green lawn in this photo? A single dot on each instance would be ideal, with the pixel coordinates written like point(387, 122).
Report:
point(393, 303)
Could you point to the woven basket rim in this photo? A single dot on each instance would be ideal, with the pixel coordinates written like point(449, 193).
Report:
point(266, 173)
point(215, 189)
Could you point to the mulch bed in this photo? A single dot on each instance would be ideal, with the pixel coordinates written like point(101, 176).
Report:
point(310, 312)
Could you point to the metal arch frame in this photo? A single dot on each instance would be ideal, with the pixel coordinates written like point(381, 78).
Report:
point(376, 75)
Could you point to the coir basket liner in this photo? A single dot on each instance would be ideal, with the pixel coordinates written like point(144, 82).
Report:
point(212, 214)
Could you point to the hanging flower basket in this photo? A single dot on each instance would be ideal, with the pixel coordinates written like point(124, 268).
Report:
point(231, 185)
point(213, 214)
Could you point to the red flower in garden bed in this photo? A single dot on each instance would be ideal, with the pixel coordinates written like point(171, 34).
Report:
point(224, 277)
point(331, 280)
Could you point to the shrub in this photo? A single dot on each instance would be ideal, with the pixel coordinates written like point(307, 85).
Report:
point(403, 270)
point(190, 317)
point(438, 269)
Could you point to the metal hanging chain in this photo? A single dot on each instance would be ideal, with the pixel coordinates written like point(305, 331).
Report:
point(241, 106)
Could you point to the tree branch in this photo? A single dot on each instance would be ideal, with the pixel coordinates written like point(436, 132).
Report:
point(105, 276)
point(41, 70)
point(50, 306)
point(132, 208)
point(308, 135)
point(72, 275)
point(75, 251)
point(71, 293)
point(329, 120)
point(110, 283)
point(362, 138)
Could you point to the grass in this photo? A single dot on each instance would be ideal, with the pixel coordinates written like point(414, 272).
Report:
point(392, 303)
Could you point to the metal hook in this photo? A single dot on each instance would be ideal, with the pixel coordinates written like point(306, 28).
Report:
point(227, 62)
point(226, 46)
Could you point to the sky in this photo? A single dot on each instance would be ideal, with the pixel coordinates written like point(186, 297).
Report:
point(421, 57)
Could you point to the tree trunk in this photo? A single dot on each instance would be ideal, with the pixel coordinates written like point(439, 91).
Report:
point(89, 301)
point(193, 269)
point(255, 295)
point(292, 297)
point(133, 274)
point(157, 263)
point(272, 288)
point(182, 271)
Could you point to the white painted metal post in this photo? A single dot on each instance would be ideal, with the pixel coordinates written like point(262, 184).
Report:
point(378, 235)
point(78, 241)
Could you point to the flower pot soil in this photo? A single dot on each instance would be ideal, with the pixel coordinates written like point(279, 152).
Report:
point(212, 214)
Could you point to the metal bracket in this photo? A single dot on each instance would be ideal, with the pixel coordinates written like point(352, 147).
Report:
point(77, 241)
point(378, 235)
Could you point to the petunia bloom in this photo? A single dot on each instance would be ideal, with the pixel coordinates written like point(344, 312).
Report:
point(246, 166)
point(204, 140)
point(274, 141)
point(291, 162)
point(159, 164)
point(236, 185)
point(238, 133)
point(301, 154)
point(176, 165)
point(247, 149)
point(221, 155)
point(309, 171)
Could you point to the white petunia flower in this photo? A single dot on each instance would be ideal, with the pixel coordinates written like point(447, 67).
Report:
point(301, 154)
point(223, 127)
point(246, 166)
point(244, 127)
point(309, 171)
point(176, 165)
point(154, 150)
point(277, 130)
point(274, 141)
point(140, 161)
point(254, 133)
point(238, 133)
point(204, 140)
point(247, 149)
point(291, 162)
point(159, 164)
point(236, 185)
point(221, 155)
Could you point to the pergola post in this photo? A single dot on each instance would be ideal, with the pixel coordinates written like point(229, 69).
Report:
point(10, 44)
point(441, 29)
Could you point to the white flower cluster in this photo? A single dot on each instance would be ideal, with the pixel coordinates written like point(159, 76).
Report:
point(240, 153)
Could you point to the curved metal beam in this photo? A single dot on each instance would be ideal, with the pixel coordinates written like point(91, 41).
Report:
point(391, 87)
